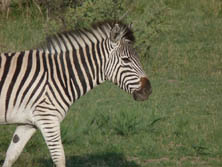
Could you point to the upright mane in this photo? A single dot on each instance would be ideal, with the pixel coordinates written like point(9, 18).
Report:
point(63, 41)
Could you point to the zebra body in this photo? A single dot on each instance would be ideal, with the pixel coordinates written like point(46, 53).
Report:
point(37, 87)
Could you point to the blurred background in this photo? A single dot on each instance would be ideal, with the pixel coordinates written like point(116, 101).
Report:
point(180, 47)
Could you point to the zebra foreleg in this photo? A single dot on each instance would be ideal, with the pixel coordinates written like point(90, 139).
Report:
point(50, 130)
point(21, 136)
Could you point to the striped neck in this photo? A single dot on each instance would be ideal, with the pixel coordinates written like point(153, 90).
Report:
point(80, 67)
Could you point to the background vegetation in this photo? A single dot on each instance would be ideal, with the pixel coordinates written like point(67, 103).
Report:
point(180, 45)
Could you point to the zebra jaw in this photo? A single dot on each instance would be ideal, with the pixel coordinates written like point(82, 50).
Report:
point(144, 92)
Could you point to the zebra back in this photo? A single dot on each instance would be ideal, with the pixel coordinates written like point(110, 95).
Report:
point(65, 41)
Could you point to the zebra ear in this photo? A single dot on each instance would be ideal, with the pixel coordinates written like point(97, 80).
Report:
point(115, 34)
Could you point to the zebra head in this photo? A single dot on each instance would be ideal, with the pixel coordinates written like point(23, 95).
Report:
point(123, 66)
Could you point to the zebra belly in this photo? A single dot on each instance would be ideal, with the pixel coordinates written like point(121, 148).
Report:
point(19, 117)
point(18, 109)
point(15, 114)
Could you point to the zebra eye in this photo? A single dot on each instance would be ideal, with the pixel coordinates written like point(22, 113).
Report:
point(126, 60)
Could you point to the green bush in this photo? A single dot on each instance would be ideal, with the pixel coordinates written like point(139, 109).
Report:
point(147, 17)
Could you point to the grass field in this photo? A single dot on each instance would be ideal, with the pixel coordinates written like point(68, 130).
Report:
point(180, 125)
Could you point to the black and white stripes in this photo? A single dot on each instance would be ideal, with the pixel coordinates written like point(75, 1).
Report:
point(37, 87)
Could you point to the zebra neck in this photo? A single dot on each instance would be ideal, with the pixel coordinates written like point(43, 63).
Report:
point(88, 69)
point(73, 73)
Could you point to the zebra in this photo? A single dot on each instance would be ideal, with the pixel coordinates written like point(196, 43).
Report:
point(38, 86)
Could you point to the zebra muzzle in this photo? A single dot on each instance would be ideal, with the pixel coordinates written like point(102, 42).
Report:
point(145, 90)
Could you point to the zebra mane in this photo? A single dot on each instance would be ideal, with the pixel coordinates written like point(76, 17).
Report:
point(63, 41)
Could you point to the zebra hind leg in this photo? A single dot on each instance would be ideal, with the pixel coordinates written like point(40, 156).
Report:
point(50, 129)
point(21, 136)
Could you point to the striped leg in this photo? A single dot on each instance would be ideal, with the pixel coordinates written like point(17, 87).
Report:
point(50, 129)
point(21, 136)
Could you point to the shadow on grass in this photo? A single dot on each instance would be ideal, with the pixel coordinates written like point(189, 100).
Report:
point(110, 159)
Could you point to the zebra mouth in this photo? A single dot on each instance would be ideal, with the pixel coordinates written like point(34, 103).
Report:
point(144, 92)
point(141, 95)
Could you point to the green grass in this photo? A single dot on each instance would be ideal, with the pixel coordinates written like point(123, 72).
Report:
point(180, 125)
